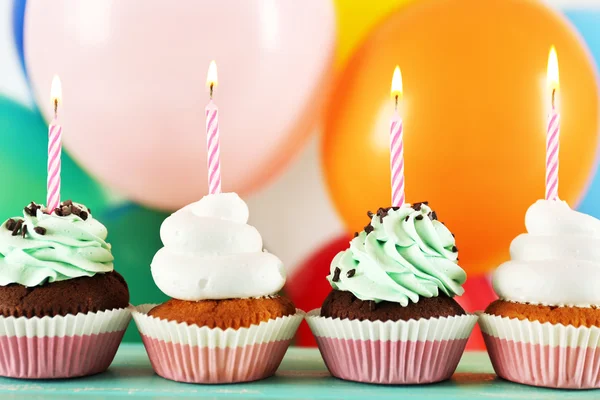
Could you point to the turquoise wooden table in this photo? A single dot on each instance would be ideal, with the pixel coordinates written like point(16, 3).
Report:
point(302, 375)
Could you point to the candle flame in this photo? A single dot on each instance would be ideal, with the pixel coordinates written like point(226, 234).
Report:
point(397, 83)
point(211, 77)
point(552, 79)
point(56, 90)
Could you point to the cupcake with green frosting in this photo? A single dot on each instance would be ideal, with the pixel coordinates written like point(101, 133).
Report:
point(392, 299)
point(63, 308)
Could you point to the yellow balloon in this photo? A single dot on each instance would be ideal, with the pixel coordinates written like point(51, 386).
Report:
point(355, 19)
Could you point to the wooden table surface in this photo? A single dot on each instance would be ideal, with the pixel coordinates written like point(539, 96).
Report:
point(302, 375)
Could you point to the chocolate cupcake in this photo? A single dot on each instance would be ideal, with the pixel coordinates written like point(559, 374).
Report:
point(544, 330)
point(58, 288)
point(393, 298)
point(225, 322)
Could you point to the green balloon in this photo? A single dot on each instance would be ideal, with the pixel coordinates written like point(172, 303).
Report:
point(23, 164)
point(134, 233)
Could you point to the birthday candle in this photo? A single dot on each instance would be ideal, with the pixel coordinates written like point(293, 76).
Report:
point(54, 150)
point(397, 144)
point(553, 130)
point(212, 134)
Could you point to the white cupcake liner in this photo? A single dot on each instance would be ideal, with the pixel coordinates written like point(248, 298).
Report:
point(61, 346)
point(392, 352)
point(189, 353)
point(543, 354)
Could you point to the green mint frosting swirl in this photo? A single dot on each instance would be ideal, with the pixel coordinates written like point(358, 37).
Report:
point(403, 254)
point(60, 248)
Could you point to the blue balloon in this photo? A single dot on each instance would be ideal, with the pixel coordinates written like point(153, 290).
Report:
point(587, 23)
point(18, 21)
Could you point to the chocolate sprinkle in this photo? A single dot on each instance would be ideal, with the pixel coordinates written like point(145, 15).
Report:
point(17, 227)
point(83, 215)
point(10, 224)
point(417, 206)
point(66, 211)
point(351, 273)
point(336, 274)
point(24, 230)
point(382, 213)
point(370, 214)
point(32, 208)
point(355, 234)
point(40, 230)
point(406, 219)
point(67, 203)
point(432, 215)
point(58, 212)
point(454, 249)
point(369, 229)
point(419, 217)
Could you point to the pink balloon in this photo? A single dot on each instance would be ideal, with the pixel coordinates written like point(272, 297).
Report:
point(134, 74)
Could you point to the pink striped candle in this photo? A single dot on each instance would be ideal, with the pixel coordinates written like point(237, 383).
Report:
point(553, 130)
point(212, 135)
point(54, 150)
point(397, 145)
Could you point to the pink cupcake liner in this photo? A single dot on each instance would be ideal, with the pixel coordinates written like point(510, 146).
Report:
point(401, 352)
point(184, 363)
point(60, 347)
point(548, 355)
point(188, 353)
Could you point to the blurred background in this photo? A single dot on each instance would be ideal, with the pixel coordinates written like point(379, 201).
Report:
point(304, 116)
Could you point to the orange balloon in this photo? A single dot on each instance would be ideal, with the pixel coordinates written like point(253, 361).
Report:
point(475, 104)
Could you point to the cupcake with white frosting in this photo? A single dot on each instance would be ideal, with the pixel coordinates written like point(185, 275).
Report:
point(545, 328)
point(225, 322)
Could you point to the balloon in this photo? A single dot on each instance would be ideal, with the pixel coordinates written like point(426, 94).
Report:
point(586, 22)
point(23, 164)
point(355, 19)
point(134, 77)
point(307, 286)
point(474, 118)
point(134, 234)
point(478, 295)
point(18, 14)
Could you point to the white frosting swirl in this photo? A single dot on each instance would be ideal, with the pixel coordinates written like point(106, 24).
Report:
point(557, 262)
point(212, 253)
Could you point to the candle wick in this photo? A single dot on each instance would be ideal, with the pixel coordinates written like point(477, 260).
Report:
point(211, 89)
point(55, 108)
point(396, 105)
point(553, 97)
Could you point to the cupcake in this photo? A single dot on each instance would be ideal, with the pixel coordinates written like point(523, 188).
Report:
point(225, 322)
point(63, 308)
point(545, 328)
point(391, 317)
